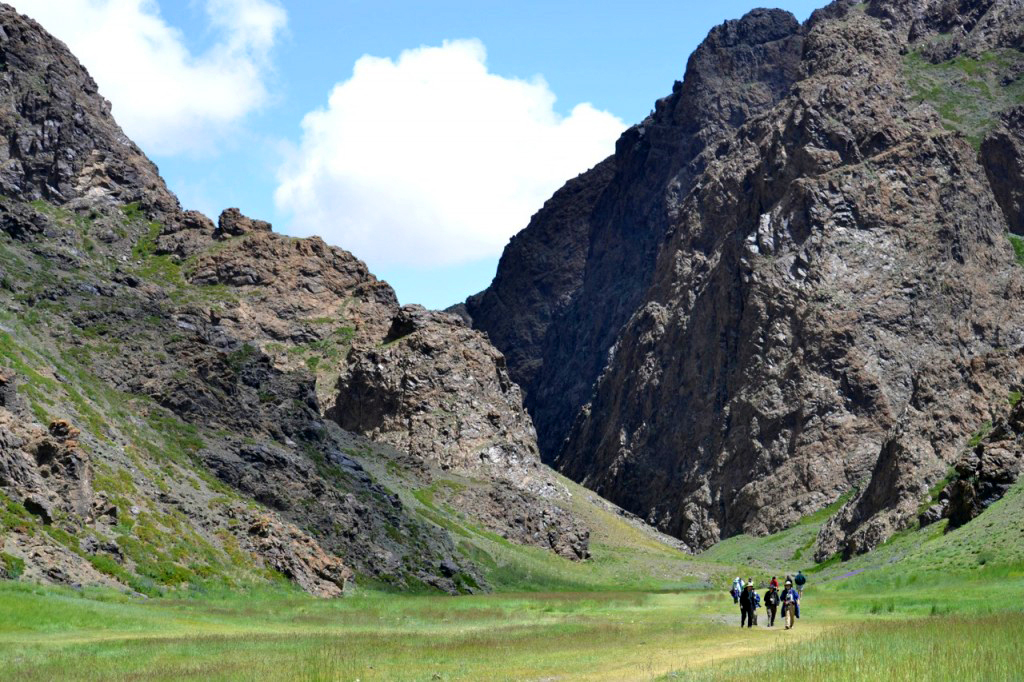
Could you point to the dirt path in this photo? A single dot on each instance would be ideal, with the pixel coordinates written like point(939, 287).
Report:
point(727, 643)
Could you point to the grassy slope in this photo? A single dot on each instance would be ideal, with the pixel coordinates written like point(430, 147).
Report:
point(163, 548)
point(778, 554)
point(968, 93)
point(137, 448)
point(624, 556)
point(988, 544)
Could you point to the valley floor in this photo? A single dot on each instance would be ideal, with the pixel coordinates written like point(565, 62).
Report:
point(927, 605)
point(852, 629)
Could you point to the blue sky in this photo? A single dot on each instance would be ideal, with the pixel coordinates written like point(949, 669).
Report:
point(424, 161)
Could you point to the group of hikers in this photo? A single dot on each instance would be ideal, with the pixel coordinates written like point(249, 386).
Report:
point(750, 601)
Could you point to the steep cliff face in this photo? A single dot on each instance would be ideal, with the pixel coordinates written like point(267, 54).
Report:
point(540, 272)
point(556, 320)
point(1002, 153)
point(62, 143)
point(825, 299)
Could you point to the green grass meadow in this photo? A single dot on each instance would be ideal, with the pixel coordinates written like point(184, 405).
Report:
point(923, 607)
point(861, 628)
point(927, 605)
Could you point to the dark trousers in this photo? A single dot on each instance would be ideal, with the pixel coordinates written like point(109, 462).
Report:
point(771, 615)
point(746, 617)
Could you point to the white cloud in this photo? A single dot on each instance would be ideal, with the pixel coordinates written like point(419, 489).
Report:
point(166, 98)
point(432, 160)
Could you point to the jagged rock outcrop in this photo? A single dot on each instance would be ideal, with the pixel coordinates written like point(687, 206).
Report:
point(62, 142)
point(47, 469)
point(797, 282)
point(438, 390)
point(232, 223)
point(297, 556)
point(983, 474)
point(295, 292)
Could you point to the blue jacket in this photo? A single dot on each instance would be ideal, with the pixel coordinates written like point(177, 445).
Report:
point(793, 596)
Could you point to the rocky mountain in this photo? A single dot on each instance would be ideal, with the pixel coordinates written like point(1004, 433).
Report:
point(794, 281)
point(573, 277)
point(184, 403)
point(440, 390)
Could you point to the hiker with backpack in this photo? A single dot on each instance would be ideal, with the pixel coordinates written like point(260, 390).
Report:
point(790, 605)
point(800, 580)
point(771, 604)
point(737, 588)
point(747, 606)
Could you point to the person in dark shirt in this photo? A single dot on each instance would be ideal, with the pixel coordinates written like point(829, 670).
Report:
point(747, 606)
point(771, 605)
point(799, 581)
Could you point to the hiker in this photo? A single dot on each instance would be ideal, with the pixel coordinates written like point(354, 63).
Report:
point(756, 598)
point(771, 603)
point(774, 583)
point(800, 580)
point(790, 605)
point(737, 587)
point(747, 606)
